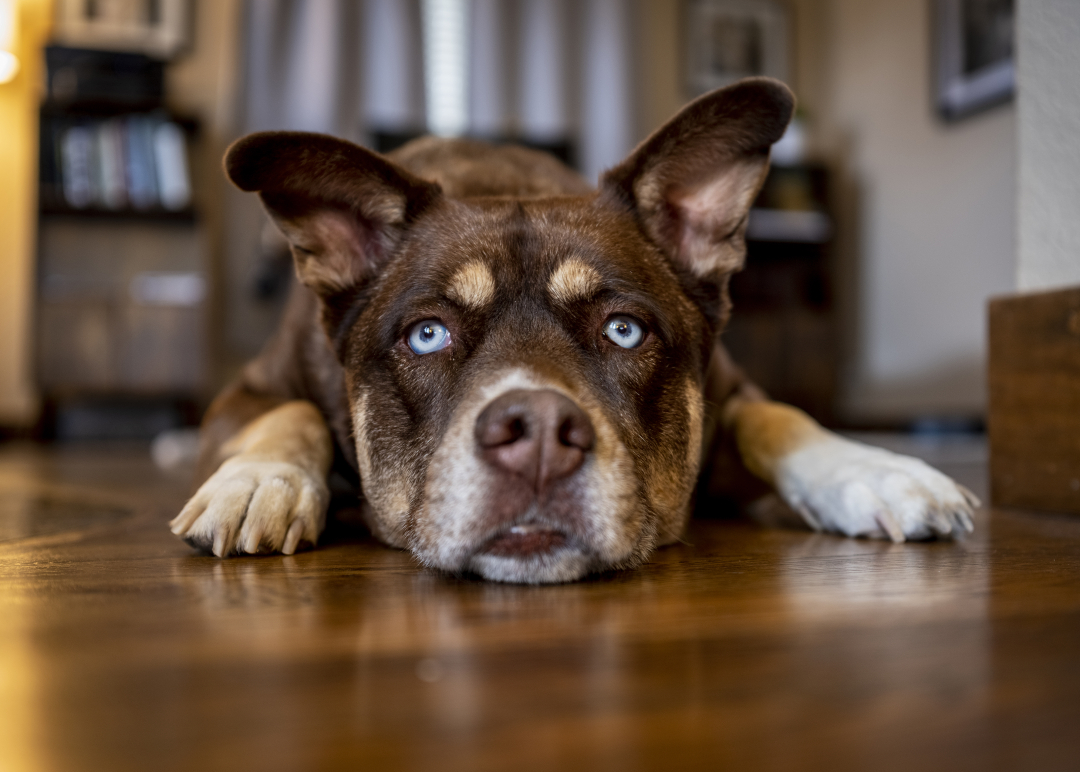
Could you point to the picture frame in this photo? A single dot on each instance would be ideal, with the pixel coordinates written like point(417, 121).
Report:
point(157, 28)
point(974, 66)
point(726, 40)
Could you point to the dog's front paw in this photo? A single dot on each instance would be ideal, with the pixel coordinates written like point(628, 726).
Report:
point(254, 506)
point(847, 487)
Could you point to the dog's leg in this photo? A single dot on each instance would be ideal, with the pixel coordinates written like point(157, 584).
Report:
point(270, 492)
point(839, 485)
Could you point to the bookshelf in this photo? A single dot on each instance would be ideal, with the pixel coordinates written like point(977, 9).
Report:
point(107, 160)
point(122, 287)
point(784, 328)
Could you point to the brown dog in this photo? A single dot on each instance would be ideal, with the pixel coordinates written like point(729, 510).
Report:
point(524, 372)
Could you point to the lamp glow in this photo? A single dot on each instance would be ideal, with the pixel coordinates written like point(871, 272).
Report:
point(9, 66)
point(9, 63)
point(8, 15)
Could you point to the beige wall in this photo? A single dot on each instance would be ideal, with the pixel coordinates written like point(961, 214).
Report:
point(926, 209)
point(205, 83)
point(1048, 43)
point(930, 213)
point(659, 72)
point(18, 215)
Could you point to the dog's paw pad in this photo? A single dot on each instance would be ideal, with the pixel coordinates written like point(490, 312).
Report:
point(254, 507)
point(846, 487)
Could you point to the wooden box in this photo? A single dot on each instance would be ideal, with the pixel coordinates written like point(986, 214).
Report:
point(1034, 415)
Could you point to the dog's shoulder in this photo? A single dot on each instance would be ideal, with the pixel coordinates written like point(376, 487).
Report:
point(468, 168)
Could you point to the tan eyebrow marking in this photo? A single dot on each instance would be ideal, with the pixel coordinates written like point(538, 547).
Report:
point(573, 280)
point(473, 286)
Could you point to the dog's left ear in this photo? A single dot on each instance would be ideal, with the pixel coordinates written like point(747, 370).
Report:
point(342, 208)
point(692, 182)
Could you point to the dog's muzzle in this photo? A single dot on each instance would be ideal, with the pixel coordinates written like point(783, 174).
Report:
point(532, 440)
point(538, 435)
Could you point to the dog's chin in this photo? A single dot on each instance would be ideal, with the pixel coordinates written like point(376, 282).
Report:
point(531, 555)
point(566, 564)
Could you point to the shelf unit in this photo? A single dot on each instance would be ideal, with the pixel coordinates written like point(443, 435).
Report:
point(122, 291)
point(784, 331)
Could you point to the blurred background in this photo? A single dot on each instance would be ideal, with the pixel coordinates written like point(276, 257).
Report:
point(134, 281)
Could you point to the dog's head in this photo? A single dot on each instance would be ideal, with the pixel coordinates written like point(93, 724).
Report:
point(525, 372)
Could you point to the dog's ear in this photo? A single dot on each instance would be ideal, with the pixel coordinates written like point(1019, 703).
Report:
point(342, 208)
point(692, 182)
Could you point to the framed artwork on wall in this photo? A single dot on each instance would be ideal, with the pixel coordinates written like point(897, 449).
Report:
point(730, 39)
point(158, 28)
point(974, 55)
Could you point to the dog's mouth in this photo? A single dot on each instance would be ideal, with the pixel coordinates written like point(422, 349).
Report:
point(531, 553)
point(525, 540)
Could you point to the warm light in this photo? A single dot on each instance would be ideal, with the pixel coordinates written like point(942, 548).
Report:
point(9, 66)
point(9, 63)
point(7, 24)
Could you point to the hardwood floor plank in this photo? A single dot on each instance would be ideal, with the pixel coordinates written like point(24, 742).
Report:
point(745, 648)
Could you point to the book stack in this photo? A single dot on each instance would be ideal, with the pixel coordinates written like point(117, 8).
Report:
point(131, 162)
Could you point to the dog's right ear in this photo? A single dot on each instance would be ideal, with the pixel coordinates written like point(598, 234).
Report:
point(342, 208)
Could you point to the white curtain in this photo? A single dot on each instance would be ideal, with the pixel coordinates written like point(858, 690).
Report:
point(547, 71)
point(302, 66)
point(392, 62)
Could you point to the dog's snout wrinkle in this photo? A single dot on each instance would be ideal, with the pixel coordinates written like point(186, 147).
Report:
point(537, 434)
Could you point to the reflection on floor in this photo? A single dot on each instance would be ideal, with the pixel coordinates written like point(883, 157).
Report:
point(120, 649)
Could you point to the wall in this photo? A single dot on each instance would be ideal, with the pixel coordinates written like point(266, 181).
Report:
point(930, 214)
point(204, 83)
point(18, 216)
point(660, 85)
point(926, 210)
point(203, 80)
point(1048, 42)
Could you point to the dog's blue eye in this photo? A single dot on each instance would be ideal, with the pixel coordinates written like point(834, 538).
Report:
point(624, 331)
point(428, 335)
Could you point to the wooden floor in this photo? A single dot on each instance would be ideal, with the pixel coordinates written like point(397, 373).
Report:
point(746, 648)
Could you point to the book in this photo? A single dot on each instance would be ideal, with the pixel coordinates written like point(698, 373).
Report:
point(78, 161)
point(170, 155)
point(139, 164)
point(112, 184)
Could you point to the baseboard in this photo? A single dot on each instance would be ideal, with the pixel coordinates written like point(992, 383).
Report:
point(1034, 415)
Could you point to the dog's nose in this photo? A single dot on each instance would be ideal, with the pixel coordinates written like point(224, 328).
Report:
point(539, 435)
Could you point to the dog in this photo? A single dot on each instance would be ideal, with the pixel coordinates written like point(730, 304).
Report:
point(524, 373)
